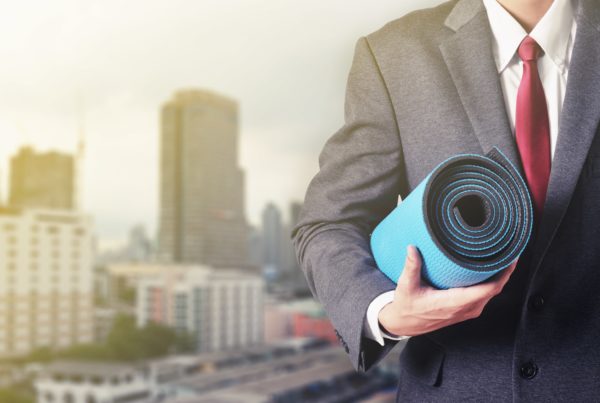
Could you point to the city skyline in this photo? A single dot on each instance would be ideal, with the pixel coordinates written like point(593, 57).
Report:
point(115, 66)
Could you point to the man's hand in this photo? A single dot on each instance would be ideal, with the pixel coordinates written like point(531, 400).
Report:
point(419, 308)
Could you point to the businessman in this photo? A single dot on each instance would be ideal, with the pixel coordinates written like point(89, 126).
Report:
point(463, 77)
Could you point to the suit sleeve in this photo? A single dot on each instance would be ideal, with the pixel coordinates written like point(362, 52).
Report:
point(360, 177)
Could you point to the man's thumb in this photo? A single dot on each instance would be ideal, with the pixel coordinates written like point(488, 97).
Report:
point(411, 274)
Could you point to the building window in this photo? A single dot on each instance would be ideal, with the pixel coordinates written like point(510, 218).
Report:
point(58, 378)
point(77, 379)
point(9, 227)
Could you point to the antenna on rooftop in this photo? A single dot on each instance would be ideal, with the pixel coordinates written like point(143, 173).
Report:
point(80, 153)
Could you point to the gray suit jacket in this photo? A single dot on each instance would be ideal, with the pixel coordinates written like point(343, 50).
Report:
point(421, 89)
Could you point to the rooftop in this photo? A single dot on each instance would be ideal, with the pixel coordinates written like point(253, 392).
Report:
point(88, 368)
point(202, 96)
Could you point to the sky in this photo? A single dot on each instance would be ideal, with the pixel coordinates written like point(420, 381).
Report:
point(108, 66)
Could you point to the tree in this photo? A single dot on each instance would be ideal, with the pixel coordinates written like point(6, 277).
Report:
point(13, 396)
point(88, 352)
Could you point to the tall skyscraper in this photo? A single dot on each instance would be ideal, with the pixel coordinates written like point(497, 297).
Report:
point(273, 251)
point(42, 180)
point(202, 216)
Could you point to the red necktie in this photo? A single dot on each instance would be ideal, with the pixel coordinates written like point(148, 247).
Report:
point(532, 126)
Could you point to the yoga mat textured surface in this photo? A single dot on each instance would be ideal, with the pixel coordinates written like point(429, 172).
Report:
point(470, 218)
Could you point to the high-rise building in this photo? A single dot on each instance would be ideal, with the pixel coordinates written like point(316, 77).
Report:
point(272, 235)
point(202, 216)
point(46, 284)
point(139, 248)
point(42, 180)
point(222, 309)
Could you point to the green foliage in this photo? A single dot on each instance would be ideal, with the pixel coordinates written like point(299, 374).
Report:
point(88, 352)
point(125, 293)
point(125, 342)
point(42, 354)
point(124, 339)
point(13, 396)
point(185, 342)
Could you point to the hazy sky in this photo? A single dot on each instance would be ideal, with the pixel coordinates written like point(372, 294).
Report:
point(285, 61)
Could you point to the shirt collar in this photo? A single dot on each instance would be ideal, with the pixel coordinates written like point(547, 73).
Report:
point(552, 32)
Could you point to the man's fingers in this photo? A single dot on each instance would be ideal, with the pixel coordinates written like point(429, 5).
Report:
point(411, 274)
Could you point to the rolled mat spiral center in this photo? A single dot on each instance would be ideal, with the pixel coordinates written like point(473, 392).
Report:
point(470, 218)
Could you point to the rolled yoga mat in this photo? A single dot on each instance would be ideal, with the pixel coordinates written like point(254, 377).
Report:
point(470, 218)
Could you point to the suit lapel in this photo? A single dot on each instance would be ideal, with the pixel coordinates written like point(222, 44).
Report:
point(469, 58)
point(578, 124)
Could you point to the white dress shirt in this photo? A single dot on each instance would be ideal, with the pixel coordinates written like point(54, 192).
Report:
point(555, 33)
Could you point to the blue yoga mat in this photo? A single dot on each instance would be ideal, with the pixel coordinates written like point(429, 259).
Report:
point(470, 218)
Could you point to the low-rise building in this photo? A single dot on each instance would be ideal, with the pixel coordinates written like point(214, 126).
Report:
point(222, 309)
point(93, 382)
point(297, 318)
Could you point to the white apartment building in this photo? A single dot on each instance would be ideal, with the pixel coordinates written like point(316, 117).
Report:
point(222, 308)
point(46, 295)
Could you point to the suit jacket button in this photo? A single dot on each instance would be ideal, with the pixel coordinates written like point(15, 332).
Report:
point(528, 370)
point(536, 302)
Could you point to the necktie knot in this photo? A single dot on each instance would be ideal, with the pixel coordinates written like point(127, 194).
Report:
point(529, 49)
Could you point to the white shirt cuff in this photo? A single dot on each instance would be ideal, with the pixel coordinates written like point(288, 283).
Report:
point(372, 330)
